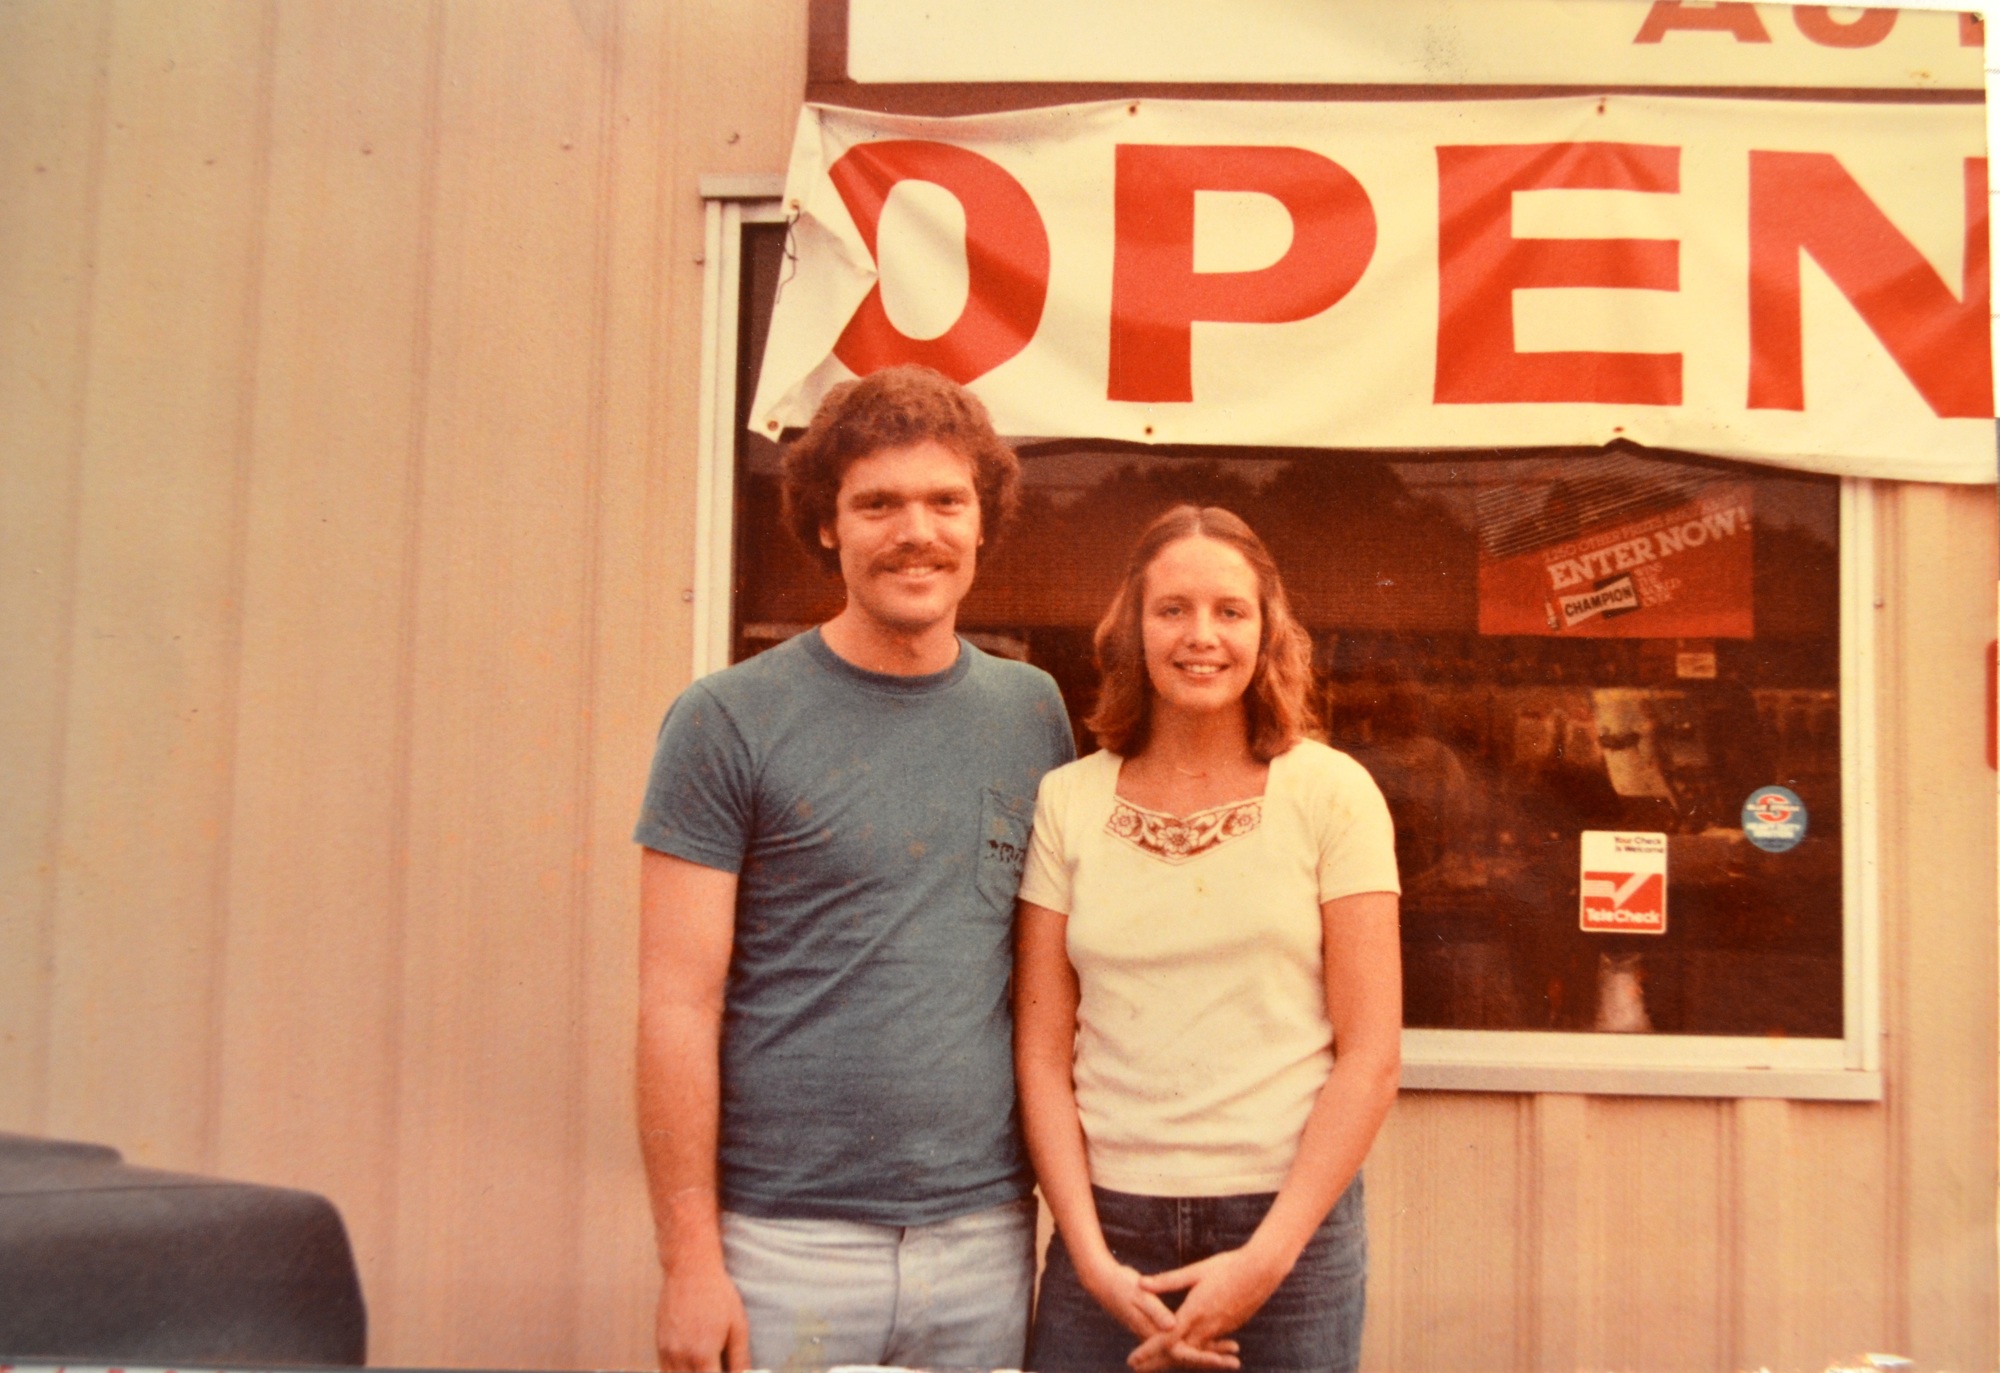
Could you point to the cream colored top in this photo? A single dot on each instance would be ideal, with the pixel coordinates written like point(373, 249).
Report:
point(1202, 1033)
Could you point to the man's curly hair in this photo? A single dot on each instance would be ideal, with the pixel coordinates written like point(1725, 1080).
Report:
point(892, 408)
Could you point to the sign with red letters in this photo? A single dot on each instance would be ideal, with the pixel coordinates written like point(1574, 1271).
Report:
point(1601, 43)
point(1796, 282)
point(1679, 572)
point(1624, 882)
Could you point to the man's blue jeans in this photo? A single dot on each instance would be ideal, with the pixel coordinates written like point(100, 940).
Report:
point(1313, 1320)
point(953, 1294)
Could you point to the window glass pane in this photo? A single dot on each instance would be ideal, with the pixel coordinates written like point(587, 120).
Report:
point(1600, 690)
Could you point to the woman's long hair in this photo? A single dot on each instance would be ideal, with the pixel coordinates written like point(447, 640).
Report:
point(1274, 704)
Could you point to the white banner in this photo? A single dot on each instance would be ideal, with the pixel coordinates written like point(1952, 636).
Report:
point(1792, 282)
point(1594, 43)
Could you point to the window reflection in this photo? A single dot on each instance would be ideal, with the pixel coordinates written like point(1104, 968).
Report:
point(1497, 751)
point(1504, 715)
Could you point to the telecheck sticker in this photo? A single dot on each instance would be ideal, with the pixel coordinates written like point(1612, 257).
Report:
point(1774, 819)
point(1624, 888)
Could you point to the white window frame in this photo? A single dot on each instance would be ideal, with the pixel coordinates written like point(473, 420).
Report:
point(1846, 1069)
point(729, 202)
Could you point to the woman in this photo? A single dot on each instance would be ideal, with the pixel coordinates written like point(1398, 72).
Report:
point(1208, 986)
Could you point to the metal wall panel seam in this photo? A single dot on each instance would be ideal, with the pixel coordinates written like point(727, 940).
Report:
point(391, 1315)
point(583, 762)
point(82, 360)
point(1891, 587)
point(221, 926)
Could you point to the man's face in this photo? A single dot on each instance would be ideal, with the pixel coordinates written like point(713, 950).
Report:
point(906, 524)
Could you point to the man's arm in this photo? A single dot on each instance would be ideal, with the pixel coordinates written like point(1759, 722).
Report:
point(687, 927)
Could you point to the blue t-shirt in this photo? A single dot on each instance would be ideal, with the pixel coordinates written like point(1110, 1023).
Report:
point(878, 825)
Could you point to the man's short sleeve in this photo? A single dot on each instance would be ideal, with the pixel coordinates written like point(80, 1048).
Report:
point(1062, 742)
point(698, 802)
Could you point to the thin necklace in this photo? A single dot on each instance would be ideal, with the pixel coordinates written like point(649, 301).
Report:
point(1187, 772)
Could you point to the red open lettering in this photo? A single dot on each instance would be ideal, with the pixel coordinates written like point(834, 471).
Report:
point(1808, 202)
point(1865, 30)
point(1006, 259)
point(1156, 294)
point(1481, 264)
point(1669, 15)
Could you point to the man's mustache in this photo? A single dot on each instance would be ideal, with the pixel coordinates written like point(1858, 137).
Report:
point(925, 555)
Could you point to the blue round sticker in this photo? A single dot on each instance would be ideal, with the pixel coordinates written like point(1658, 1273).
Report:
point(1774, 819)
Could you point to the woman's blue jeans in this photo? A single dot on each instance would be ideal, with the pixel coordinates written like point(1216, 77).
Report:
point(1313, 1320)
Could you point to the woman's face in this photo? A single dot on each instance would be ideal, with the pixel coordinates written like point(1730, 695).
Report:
point(1201, 624)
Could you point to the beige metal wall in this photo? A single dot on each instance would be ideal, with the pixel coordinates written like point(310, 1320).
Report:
point(347, 413)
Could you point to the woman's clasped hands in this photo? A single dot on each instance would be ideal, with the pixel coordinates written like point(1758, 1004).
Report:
point(1223, 1291)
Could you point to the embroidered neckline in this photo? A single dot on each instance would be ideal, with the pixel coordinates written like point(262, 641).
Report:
point(1177, 838)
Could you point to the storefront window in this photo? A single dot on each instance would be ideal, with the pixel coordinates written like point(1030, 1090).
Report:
point(1602, 691)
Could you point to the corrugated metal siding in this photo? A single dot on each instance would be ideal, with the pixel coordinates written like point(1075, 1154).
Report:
point(349, 409)
point(348, 387)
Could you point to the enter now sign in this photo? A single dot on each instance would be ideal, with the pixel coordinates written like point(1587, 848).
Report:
point(1801, 283)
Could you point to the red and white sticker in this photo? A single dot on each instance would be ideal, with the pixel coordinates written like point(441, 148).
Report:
point(1624, 882)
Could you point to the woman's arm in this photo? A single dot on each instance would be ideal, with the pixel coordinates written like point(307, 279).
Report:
point(1045, 1000)
point(1364, 1001)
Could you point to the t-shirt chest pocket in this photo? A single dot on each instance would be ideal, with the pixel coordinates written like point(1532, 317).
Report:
point(1004, 819)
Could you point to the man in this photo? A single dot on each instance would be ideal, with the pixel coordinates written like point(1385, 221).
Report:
point(833, 835)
